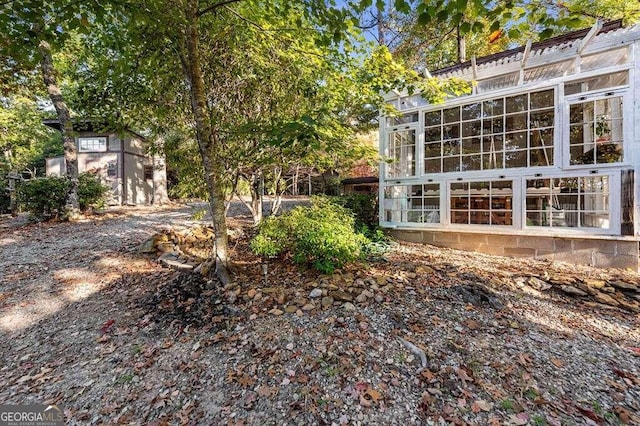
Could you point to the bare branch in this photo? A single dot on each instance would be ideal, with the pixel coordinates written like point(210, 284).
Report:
point(215, 6)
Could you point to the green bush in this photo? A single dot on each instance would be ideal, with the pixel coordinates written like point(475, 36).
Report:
point(363, 206)
point(321, 235)
point(45, 198)
point(91, 192)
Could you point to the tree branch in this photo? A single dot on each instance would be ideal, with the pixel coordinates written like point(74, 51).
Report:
point(215, 6)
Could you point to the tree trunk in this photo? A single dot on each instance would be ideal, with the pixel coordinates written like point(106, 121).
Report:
point(257, 192)
point(462, 46)
point(66, 126)
point(208, 144)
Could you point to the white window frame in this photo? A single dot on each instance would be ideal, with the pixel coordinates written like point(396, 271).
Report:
point(627, 123)
point(389, 134)
point(614, 204)
point(101, 144)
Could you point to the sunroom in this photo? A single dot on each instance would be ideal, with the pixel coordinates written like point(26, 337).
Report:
point(539, 160)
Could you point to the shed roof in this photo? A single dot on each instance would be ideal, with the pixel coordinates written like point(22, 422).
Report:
point(553, 44)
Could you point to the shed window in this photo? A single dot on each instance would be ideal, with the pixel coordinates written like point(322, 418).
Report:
point(402, 153)
point(93, 144)
point(595, 131)
point(505, 132)
point(412, 203)
point(597, 83)
point(482, 203)
point(573, 202)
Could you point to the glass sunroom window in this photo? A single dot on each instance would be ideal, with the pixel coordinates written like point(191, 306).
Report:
point(482, 203)
point(573, 202)
point(412, 203)
point(402, 154)
point(595, 131)
point(500, 133)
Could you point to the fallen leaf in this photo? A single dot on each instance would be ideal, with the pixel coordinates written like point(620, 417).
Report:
point(519, 419)
point(483, 405)
point(471, 324)
point(107, 326)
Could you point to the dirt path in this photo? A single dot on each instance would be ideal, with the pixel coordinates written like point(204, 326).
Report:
point(112, 337)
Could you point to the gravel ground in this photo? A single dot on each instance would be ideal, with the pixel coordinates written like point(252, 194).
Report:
point(422, 336)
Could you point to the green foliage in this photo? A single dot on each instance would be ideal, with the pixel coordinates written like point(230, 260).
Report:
point(91, 192)
point(321, 235)
point(364, 208)
point(45, 198)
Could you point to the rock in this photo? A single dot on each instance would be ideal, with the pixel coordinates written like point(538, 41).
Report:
point(342, 296)
point(608, 289)
point(315, 293)
point(589, 290)
point(170, 259)
point(623, 285)
point(368, 294)
point(165, 246)
point(349, 306)
point(359, 282)
point(251, 293)
point(629, 306)
point(594, 283)
point(291, 309)
point(361, 298)
point(572, 290)
point(327, 302)
point(276, 311)
point(149, 246)
point(538, 284)
point(381, 281)
point(308, 307)
point(606, 299)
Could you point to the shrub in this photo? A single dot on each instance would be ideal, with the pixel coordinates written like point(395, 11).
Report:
point(44, 198)
point(321, 235)
point(363, 206)
point(91, 192)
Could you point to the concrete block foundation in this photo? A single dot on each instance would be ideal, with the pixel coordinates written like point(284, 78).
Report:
point(600, 252)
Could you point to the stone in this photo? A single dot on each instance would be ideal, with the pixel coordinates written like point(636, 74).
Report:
point(594, 283)
point(606, 299)
point(291, 309)
point(359, 282)
point(251, 293)
point(630, 306)
point(381, 281)
point(361, 298)
point(172, 261)
point(608, 289)
point(342, 296)
point(149, 246)
point(276, 311)
point(327, 302)
point(349, 306)
point(308, 307)
point(623, 285)
point(368, 294)
point(589, 290)
point(315, 293)
point(538, 284)
point(165, 246)
point(572, 290)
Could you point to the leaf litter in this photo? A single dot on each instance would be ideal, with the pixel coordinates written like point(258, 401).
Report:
point(436, 336)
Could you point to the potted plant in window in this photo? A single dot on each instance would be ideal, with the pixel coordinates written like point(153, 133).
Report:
point(603, 130)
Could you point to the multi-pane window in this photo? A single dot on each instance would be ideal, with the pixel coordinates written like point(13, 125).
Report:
point(505, 132)
point(595, 131)
point(93, 144)
point(402, 154)
point(574, 202)
point(412, 203)
point(482, 203)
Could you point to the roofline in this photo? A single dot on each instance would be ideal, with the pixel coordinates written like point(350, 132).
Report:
point(563, 38)
point(86, 125)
